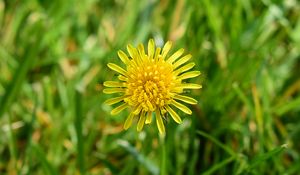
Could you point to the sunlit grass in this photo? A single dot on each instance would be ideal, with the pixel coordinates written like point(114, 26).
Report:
point(53, 57)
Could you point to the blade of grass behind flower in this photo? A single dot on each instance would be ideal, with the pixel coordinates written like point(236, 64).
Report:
point(14, 87)
point(261, 158)
point(214, 140)
point(40, 155)
point(139, 157)
point(219, 165)
point(224, 147)
point(286, 107)
point(78, 128)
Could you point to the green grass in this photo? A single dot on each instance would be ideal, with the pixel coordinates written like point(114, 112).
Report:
point(53, 57)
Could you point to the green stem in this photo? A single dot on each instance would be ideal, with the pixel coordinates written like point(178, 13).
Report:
point(12, 143)
point(78, 128)
point(163, 167)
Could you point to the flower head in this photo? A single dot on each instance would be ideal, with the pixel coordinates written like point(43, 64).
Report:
point(151, 83)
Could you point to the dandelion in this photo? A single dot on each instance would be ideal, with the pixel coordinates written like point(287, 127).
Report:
point(151, 83)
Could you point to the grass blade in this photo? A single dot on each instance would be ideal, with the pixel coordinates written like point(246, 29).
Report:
point(14, 87)
point(78, 128)
point(48, 168)
point(265, 156)
point(139, 157)
point(219, 165)
point(292, 105)
point(224, 147)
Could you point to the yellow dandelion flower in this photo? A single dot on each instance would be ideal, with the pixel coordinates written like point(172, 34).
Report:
point(152, 82)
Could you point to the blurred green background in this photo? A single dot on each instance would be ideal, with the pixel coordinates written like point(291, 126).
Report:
point(53, 57)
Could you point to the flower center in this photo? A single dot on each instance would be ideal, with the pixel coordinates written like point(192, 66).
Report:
point(149, 85)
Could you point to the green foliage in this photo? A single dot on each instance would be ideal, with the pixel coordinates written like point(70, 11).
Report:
point(53, 57)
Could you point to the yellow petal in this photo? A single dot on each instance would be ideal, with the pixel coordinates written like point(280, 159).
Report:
point(123, 57)
point(178, 90)
point(182, 107)
point(149, 117)
point(185, 99)
point(166, 49)
point(141, 49)
point(190, 86)
point(187, 75)
point(113, 84)
point(182, 61)
point(156, 55)
point(117, 68)
point(184, 68)
point(113, 90)
point(128, 121)
point(114, 100)
point(175, 56)
point(149, 105)
point(141, 122)
point(118, 109)
point(122, 78)
point(132, 51)
point(174, 115)
point(151, 48)
point(159, 123)
point(138, 110)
